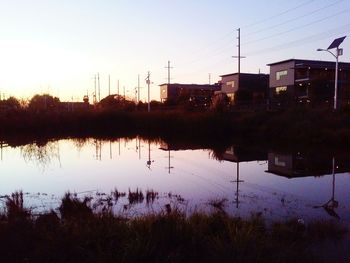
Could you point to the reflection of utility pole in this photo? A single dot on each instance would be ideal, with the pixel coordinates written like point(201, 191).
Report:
point(1, 146)
point(119, 145)
point(237, 181)
point(139, 149)
point(136, 147)
point(110, 149)
point(98, 146)
point(169, 165)
point(149, 162)
point(332, 203)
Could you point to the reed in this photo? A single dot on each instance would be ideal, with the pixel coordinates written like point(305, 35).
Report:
point(76, 234)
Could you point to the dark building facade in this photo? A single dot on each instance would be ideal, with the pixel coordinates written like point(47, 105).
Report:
point(292, 165)
point(308, 81)
point(245, 87)
point(196, 93)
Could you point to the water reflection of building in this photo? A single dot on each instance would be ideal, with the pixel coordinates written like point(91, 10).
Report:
point(167, 147)
point(2, 145)
point(301, 165)
point(240, 154)
point(292, 165)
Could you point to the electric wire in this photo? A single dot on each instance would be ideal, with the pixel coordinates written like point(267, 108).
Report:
point(302, 41)
point(277, 15)
point(293, 19)
point(298, 27)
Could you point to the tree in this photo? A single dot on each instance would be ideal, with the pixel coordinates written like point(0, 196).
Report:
point(220, 102)
point(10, 104)
point(44, 103)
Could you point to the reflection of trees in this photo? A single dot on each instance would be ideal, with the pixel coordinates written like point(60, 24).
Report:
point(41, 153)
point(79, 143)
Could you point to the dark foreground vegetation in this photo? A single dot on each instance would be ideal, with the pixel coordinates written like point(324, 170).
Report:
point(76, 234)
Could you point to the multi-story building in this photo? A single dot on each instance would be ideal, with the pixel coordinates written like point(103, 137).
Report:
point(245, 87)
point(180, 93)
point(308, 81)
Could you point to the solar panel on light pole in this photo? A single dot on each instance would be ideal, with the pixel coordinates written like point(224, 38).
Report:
point(339, 51)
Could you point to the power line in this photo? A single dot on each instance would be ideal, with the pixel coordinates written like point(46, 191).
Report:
point(298, 27)
point(228, 45)
point(293, 19)
point(302, 41)
point(277, 15)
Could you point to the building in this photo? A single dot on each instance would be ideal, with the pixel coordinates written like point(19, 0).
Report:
point(245, 88)
point(292, 165)
point(307, 81)
point(238, 154)
point(180, 93)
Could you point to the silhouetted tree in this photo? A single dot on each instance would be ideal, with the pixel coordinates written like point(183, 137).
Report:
point(10, 104)
point(43, 103)
point(116, 102)
point(220, 102)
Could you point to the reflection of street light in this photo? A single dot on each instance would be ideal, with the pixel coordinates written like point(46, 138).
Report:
point(339, 52)
point(332, 203)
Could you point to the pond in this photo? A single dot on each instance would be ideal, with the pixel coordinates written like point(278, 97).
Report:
point(277, 184)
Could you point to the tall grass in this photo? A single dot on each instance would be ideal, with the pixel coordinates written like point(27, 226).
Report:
point(78, 235)
point(302, 126)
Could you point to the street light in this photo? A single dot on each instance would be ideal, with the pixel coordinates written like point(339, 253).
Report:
point(338, 52)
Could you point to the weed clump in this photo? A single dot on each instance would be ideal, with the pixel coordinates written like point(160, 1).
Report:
point(136, 196)
point(79, 234)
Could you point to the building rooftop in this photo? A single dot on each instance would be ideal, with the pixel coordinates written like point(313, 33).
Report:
point(198, 85)
point(246, 74)
point(309, 62)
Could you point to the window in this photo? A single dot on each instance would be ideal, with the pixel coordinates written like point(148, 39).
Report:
point(279, 162)
point(230, 83)
point(280, 74)
point(231, 96)
point(281, 89)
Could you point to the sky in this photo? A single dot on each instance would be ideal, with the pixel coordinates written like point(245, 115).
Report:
point(58, 47)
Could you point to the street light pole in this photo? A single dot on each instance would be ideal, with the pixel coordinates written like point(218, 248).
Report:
point(336, 56)
point(338, 52)
point(336, 80)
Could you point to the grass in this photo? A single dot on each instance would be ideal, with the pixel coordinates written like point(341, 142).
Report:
point(303, 127)
point(77, 234)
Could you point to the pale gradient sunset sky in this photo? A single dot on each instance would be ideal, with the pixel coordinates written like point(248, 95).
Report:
point(58, 46)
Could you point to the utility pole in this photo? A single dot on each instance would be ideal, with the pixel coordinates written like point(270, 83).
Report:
point(148, 81)
point(209, 78)
point(239, 52)
point(124, 91)
point(138, 88)
point(118, 89)
point(99, 87)
point(239, 55)
point(168, 67)
point(94, 98)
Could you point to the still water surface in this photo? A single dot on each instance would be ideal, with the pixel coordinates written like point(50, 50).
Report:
point(279, 185)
